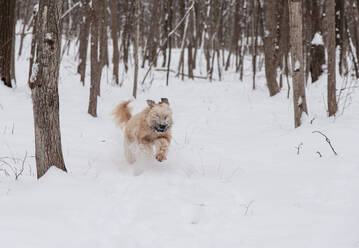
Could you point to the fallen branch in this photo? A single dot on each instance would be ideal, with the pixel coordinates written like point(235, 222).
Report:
point(186, 75)
point(327, 140)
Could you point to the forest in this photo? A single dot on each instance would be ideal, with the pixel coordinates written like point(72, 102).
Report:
point(261, 151)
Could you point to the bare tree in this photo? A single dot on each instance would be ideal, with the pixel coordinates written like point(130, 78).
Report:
point(7, 38)
point(296, 27)
point(96, 68)
point(270, 44)
point(83, 37)
point(114, 36)
point(44, 87)
point(332, 101)
point(135, 53)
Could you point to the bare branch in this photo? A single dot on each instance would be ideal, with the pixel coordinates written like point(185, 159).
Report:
point(327, 140)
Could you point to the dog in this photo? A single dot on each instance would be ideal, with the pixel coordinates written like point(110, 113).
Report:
point(149, 131)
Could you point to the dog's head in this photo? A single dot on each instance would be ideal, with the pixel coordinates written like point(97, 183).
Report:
point(159, 117)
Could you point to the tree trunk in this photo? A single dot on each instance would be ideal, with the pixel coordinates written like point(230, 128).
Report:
point(44, 84)
point(95, 59)
point(296, 27)
point(270, 43)
point(114, 32)
point(136, 44)
point(84, 35)
point(103, 34)
point(22, 35)
point(151, 47)
point(317, 61)
point(332, 101)
point(7, 35)
point(125, 34)
point(170, 9)
point(190, 47)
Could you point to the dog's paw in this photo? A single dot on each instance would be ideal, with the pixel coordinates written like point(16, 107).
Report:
point(160, 157)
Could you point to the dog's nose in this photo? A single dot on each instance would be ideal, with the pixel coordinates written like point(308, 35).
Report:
point(162, 127)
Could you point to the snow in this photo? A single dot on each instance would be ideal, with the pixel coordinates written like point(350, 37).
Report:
point(266, 33)
point(48, 36)
point(317, 39)
point(36, 8)
point(233, 177)
point(297, 65)
point(34, 72)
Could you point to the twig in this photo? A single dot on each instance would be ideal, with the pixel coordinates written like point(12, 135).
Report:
point(327, 140)
point(247, 207)
point(298, 147)
point(320, 155)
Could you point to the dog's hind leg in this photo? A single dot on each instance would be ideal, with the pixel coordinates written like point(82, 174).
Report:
point(128, 148)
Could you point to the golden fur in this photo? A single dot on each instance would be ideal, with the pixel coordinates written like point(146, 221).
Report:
point(147, 130)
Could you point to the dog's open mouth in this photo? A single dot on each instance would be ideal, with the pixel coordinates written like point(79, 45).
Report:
point(160, 128)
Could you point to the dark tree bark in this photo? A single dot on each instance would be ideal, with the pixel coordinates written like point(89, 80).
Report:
point(125, 35)
point(332, 101)
point(95, 59)
point(44, 85)
point(341, 35)
point(114, 35)
point(190, 47)
point(26, 18)
point(103, 33)
point(270, 43)
point(83, 36)
point(136, 44)
point(296, 27)
point(317, 61)
point(7, 36)
point(170, 17)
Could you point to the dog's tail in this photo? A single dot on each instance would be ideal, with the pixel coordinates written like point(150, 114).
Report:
point(122, 113)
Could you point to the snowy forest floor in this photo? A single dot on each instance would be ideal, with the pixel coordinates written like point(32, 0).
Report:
point(233, 177)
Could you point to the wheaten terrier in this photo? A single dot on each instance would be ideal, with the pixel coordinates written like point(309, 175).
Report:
point(146, 131)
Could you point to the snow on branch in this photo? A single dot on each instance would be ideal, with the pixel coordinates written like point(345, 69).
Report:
point(70, 9)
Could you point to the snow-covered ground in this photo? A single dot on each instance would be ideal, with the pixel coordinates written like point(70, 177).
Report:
point(233, 177)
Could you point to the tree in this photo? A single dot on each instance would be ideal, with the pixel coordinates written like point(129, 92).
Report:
point(7, 37)
point(44, 87)
point(136, 44)
point(332, 101)
point(270, 44)
point(296, 27)
point(83, 37)
point(114, 36)
point(96, 68)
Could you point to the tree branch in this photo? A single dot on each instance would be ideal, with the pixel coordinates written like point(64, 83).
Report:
point(327, 140)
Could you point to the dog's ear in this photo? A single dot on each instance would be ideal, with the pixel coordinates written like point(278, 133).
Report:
point(165, 100)
point(150, 103)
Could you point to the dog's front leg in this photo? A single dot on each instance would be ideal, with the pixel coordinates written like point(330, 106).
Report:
point(161, 147)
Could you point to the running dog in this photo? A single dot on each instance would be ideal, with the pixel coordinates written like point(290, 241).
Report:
point(147, 131)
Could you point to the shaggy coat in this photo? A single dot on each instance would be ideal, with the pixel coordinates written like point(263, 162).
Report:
point(148, 131)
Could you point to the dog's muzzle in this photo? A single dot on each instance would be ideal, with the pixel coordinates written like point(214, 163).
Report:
point(160, 128)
